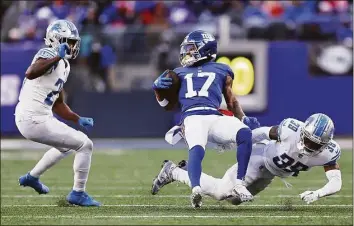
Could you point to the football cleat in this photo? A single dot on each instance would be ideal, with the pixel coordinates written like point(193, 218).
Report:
point(241, 192)
point(183, 164)
point(81, 198)
point(33, 182)
point(164, 177)
point(196, 197)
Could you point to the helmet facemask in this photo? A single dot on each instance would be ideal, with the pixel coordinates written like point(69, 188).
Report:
point(189, 54)
point(309, 145)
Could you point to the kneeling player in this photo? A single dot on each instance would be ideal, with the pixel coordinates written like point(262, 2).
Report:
point(281, 151)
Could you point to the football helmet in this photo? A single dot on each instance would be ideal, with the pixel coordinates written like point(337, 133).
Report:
point(196, 46)
point(61, 31)
point(317, 132)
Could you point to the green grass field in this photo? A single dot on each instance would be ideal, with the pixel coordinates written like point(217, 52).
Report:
point(121, 180)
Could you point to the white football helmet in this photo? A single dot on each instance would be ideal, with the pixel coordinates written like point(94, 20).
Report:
point(317, 132)
point(61, 31)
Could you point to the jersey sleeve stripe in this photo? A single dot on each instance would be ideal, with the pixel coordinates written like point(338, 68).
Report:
point(46, 53)
point(336, 156)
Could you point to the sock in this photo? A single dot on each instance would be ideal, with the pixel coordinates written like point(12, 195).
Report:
point(82, 165)
point(244, 149)
point(49, 159)
point(209, 184)
point(196, 155)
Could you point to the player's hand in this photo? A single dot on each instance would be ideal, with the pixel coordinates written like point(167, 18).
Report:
point(251, 122)
point(86, 122)
point(63, 50)
point(162, 82)
point(309, 196)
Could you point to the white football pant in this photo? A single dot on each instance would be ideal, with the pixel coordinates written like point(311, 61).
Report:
point(46, 129)
point(199, 129)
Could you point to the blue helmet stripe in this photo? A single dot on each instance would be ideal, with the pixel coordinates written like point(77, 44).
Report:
point(321, 125)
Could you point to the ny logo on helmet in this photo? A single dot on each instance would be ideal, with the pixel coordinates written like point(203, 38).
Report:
point(208, 37)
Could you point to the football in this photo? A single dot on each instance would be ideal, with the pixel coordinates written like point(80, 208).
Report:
point(170, 94)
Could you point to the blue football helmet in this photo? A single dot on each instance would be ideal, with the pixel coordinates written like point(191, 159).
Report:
point(196, 46)
point(317, 132)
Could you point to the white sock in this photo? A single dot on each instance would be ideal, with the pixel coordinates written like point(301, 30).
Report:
point(208, 184)
point(82, 164)
point(49, 159)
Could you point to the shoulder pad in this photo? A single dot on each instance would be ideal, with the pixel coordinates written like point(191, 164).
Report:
point(46, 53)
point(226, 68)
point(332, 152)
point(288, 127)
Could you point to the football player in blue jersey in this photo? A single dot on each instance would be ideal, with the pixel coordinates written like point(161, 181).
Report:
point(203, 83)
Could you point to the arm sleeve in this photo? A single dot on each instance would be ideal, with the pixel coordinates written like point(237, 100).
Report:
point(260, 134)
point(333, 185)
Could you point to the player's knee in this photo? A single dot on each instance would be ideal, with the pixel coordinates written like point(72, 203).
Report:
point(244, 135)
point(87, 144)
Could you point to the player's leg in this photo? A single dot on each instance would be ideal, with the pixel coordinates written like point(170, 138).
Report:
point(230, 129)
point(195, 129)
point(171, 172)
point(64, 138)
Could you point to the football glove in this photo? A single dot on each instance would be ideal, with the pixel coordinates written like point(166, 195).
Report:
point(309, 196)
point(63, 50)
point(251, 122)
point(162, 82)
point(86, 122)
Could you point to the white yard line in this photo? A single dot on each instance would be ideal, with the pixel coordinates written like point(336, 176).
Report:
point(173, 216)
point(152, 196)
point(162, 205)
point(63, 188)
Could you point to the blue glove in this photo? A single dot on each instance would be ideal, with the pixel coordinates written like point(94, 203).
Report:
point(162, 82)
point(251, 122)
point(63, 50)
point(86, 122)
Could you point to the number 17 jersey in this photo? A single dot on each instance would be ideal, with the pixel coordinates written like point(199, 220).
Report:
point(202, 86)
point(37, 96)
point(283, 157)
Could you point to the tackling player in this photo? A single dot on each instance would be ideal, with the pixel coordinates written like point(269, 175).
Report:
point(41, 95)
point(280, 151)
point(203, 84)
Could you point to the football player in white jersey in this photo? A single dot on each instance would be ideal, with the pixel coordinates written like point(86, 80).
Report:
point(41, 95)
point(280, 151)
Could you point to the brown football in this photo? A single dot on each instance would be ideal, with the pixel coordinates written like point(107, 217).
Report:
point(170, 94)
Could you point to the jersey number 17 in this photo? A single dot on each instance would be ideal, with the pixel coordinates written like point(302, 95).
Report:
point(203, 92)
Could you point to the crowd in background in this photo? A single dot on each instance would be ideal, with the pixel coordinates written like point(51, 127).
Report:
point(110, 30)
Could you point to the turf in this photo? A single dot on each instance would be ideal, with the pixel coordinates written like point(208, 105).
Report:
point(121, 180)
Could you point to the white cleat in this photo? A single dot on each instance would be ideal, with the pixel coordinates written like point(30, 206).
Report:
point(241, 193)
point(164, 177)
point(196, 197)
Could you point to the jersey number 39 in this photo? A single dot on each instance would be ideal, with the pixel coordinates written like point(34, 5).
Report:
point(49, 99)
point(203, 92)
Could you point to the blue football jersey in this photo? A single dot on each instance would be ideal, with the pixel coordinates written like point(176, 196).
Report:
point(202, 86)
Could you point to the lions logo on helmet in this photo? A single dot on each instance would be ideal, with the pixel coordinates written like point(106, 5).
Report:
point(196, 46)
point(317, 132)
point(63, 31)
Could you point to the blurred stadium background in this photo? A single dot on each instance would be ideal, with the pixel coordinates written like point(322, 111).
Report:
point(290, 58)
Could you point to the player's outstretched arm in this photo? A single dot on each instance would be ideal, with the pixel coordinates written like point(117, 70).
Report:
point(265, 133)
point(63, 110)
point(231, 101)
point(40, 67)
point(333, 185)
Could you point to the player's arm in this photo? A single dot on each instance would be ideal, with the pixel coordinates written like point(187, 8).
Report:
point(231, 101)
point(63, 110)
point(265, 133)
point(40, 67)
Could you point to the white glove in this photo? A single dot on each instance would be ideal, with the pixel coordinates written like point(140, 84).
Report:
point(309, 196)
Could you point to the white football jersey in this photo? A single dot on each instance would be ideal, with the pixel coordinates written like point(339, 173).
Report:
point(37, 96)
point(283, 158)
